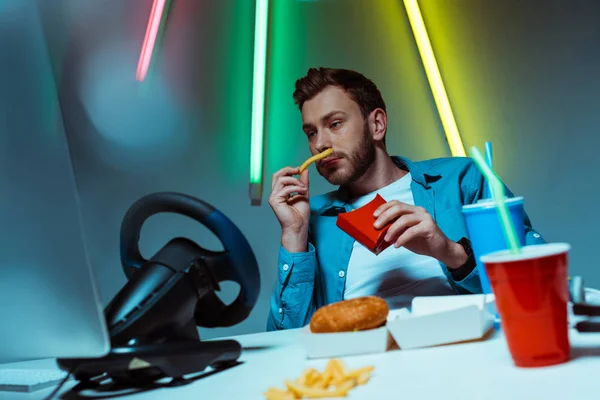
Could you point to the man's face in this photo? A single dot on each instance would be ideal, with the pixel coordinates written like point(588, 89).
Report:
point(333, 120)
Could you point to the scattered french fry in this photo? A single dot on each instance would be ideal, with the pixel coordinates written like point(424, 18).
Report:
point(279, 394)
point(363, 378)
point(314, 158)
point(358, 372)
point(303, 377)
point(335, 381)
point(312, 378)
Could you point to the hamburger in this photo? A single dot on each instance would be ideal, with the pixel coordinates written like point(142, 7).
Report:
point(360, 314)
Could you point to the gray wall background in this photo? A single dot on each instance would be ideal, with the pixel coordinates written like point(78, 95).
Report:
point(522, 74)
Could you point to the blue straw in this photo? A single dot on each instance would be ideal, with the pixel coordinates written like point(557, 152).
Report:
point(487, 191)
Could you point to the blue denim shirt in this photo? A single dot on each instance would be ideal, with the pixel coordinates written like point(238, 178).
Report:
point(309, 280)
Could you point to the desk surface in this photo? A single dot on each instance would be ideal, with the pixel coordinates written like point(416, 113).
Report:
point(476, 370)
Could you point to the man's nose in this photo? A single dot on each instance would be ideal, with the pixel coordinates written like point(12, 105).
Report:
point(323, 142)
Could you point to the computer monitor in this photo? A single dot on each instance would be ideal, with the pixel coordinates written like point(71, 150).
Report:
point(49, 305)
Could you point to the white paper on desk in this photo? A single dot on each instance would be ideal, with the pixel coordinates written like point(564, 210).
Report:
point(441, 320)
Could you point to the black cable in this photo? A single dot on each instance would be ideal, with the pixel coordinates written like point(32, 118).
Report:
point(60, 385)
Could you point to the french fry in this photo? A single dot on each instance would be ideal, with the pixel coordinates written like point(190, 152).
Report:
point(295, 388)
point(320, 383)
point(318, 393)
point(344, 388)
point(327, 375)
point(358, 372)
point(339, 366)
point(279, 394)
point(364, 378)
point(312, 377)
point(339, 372)
point(314, 158)
point(303, 377)
point(335, 381)
point(337, 376)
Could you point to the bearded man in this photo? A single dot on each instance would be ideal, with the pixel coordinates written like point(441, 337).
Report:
point(319, 263)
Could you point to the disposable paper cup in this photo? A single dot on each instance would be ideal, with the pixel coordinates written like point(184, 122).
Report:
point(531, 293)
point(486, 232)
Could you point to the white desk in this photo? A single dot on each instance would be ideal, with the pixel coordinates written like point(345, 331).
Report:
point(477, 370)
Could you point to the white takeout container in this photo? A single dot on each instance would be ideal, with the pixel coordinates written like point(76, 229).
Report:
point(343, 344)
point(441, 320)
point(434, 320)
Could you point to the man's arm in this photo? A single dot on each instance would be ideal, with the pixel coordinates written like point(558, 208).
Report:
point(292, 300)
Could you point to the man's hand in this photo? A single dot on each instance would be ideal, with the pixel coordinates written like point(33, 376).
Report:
point(415, 229)
point(292, 210)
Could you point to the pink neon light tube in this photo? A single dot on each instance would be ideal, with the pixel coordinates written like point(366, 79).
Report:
point(150, 38)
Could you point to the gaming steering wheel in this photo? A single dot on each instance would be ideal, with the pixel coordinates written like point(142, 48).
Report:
point(235, 263)
point(153, 318)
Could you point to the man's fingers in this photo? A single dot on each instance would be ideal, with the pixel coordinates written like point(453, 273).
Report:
point(383, 208)
point(293, 199)
point(287, 181)
point(408, 235)
point(287, 171)
point(392, 212)
point(304, 178)
point(393, 203)
point(285, 193)
point(400, 225)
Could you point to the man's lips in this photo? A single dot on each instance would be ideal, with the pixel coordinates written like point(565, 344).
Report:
point(329, 161)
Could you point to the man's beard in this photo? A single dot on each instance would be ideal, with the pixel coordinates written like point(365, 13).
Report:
point(360, 159)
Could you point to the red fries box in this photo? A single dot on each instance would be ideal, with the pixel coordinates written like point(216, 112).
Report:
point(359, 224)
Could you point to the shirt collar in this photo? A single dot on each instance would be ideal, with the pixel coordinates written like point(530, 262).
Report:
point(339, 199)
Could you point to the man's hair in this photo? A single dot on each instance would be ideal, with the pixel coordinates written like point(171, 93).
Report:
point(361, 89)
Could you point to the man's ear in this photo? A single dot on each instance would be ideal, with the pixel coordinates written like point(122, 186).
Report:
point(378, 124)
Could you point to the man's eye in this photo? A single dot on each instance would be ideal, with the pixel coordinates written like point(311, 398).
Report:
point(336, 124)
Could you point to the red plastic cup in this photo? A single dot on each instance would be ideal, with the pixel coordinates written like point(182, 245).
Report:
point(531, 292)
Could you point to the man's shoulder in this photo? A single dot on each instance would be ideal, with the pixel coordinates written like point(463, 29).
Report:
point(445, 165)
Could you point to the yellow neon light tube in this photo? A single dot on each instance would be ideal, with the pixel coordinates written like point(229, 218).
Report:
point(435, 79)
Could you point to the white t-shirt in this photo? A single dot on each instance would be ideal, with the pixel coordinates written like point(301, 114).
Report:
point(397, 275)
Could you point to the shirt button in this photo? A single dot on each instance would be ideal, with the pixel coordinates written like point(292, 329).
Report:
point(280, 310)
point(341, 274)
point(536, 235)
point(286, 267)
